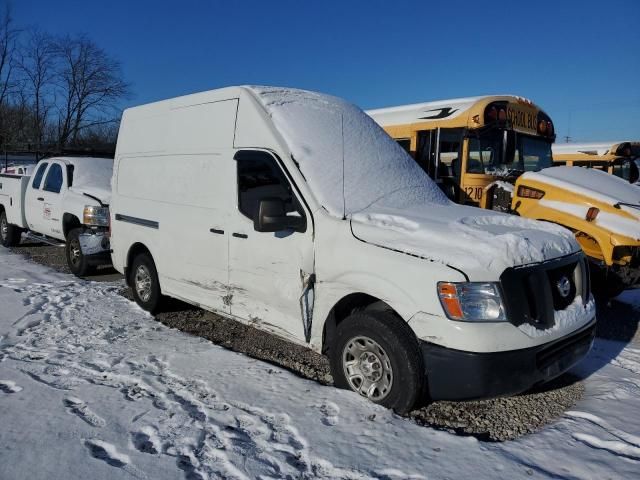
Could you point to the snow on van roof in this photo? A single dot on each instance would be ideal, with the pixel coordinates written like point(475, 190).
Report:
point(349, 162)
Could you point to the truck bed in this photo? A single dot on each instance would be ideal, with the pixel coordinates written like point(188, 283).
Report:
point(12, 193)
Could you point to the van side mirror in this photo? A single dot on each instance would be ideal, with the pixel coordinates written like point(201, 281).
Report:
point(272, 217)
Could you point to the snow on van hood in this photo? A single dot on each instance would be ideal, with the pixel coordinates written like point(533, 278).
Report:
point(599, 186)
point(472, 240)
point(332, 140)
point(91, 175)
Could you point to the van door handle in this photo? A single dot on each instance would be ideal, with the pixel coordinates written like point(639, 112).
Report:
point(241, 235)
point(41, 199)
point(216, 230)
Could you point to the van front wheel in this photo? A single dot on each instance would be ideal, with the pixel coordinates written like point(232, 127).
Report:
point(144, 282)
point(376, 355)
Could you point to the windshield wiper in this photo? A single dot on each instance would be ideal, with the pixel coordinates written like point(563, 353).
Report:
point(623, 204)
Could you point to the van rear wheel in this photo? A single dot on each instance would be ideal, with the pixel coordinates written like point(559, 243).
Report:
point(10, 235)
point(376, 355)
point(143, 280)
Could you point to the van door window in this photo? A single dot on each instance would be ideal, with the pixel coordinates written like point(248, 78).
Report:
point(53, 183)
point(260, 177)
point(37, 179)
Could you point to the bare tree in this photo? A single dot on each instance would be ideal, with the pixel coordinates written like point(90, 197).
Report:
point(89, 87)
point(7, 48)
point(36, 64)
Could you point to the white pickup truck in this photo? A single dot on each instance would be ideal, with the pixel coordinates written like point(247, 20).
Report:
point(67, 199)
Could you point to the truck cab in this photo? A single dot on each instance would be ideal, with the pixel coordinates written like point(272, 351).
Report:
point(293, 212)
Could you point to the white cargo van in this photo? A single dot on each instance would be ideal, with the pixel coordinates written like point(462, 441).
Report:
point(294, 212)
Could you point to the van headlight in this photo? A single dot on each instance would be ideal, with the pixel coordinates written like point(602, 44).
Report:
point(472, 301)
point(95, 216)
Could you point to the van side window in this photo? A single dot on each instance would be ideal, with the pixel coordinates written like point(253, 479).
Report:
point(260, 177)
point(37, 179)
point(53, 183)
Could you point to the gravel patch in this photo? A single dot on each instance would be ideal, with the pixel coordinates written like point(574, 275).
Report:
point(488, 420)
point(504, 418)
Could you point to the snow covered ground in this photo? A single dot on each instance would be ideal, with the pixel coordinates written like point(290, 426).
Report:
point(93, 387)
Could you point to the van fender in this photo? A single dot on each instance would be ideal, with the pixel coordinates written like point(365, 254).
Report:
point(328, 292)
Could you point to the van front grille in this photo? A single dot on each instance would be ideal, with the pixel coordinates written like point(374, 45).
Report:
point(533, 294)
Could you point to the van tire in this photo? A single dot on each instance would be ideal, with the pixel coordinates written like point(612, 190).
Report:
point(76, 261)
point(393, 345)
point(10, 235)
point(143, 280)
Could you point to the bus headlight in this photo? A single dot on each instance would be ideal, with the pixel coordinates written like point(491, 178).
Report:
point(472, 301)
point(95, 216)
point(530, 192)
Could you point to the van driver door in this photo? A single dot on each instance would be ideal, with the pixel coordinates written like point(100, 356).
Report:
point(270, 273)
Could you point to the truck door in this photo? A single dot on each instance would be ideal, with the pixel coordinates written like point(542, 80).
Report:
point(47, 214)
point(270, 274)
point(33, 204)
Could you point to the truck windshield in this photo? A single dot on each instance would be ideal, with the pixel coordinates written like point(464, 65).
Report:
point(488, 155)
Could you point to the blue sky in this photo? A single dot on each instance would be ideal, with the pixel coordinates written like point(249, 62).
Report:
point(579, 60)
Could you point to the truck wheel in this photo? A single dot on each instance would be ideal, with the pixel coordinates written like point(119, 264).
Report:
point(76, 261)
point(10, 235)
point(143, 279)
point(377, 355)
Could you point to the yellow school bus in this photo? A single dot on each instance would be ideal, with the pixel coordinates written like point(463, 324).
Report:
point(621, 159)
point(494, 152)
point(466, 144)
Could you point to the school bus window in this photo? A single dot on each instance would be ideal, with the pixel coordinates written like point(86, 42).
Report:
point(622, 170)
point(532, 153)
point(405, 143)
point(485, 152)
point(450, 151)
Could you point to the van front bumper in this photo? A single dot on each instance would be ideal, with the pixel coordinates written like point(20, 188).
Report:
point(460, 375)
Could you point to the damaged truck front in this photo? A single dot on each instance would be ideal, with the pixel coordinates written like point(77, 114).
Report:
point(294, 212)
